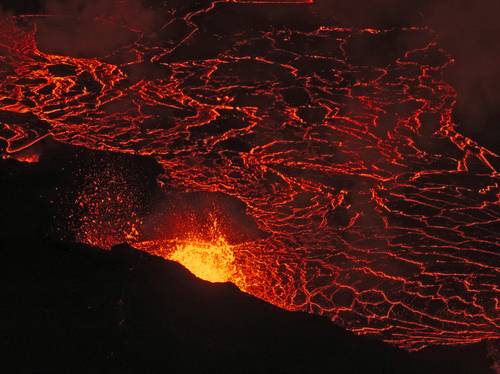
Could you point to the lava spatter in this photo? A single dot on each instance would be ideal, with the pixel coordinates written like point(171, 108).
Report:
point(207, 255)
point(340, 143)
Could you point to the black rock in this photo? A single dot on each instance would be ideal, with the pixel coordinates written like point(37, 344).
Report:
point(69, 308)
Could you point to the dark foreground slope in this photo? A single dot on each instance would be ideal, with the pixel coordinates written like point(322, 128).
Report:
point(74, 309)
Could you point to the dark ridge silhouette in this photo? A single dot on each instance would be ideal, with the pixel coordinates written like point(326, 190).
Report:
point(72, 308)
point(69, 308)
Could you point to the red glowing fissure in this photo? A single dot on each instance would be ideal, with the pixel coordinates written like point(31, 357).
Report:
point(378, 212)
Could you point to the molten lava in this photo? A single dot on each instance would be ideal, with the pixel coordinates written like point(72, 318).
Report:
point(213, 262)
point(375, 210)
point(206, 254)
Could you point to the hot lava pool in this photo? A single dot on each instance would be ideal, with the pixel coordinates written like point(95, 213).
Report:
point(339, 142)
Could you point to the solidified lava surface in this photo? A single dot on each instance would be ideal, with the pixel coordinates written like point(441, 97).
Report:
point(340, 142)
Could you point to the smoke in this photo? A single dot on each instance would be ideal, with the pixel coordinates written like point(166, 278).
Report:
point(468, 30)
point(93, 28)
point(130, 12)
point(5, 12)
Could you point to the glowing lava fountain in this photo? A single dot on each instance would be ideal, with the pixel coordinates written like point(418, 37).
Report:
point(208, 260)
point(207, 255)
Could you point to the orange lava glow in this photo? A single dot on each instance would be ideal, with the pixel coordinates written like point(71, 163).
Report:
point(208, 256)
point(213, 262)
point(29, 158)
point(375, 210)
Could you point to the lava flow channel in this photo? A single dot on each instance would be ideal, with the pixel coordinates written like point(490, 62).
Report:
point(376, 211)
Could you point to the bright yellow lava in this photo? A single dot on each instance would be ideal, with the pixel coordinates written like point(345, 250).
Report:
point(211, 261)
